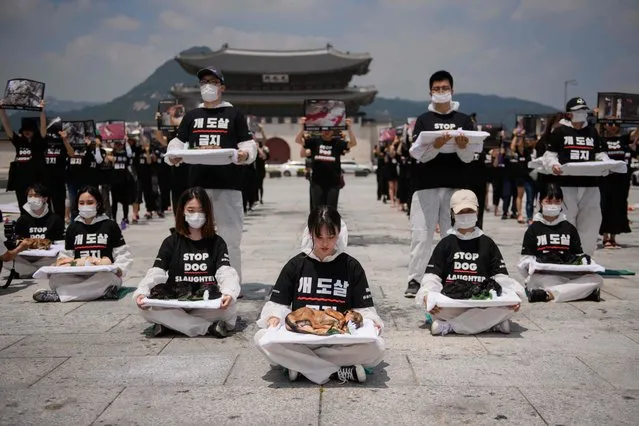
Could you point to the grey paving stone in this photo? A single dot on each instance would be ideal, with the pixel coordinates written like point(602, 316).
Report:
point(621, 371)
point(450, 405)
point(6, 341)
point(420, 342)
point(54, 405)
point(54, 324)
point(23, 372)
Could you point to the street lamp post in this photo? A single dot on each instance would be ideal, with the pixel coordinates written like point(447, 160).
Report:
point(566, 83)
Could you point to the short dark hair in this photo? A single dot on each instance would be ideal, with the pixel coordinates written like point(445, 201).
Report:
point(198, 193)
point(324, 216)
point(554, 192)
point(441, 76)
point(39, 189)
point(95, 193)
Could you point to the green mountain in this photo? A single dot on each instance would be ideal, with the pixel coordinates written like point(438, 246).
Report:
point(140, 103)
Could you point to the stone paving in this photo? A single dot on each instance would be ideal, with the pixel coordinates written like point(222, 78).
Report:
point(90, 363)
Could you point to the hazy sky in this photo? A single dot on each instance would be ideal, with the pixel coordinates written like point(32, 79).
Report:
point(96, 50)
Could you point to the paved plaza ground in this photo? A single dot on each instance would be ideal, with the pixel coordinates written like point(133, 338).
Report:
point(90, 363)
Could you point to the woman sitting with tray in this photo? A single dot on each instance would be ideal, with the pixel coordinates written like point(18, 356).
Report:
point(553, 243)
point(39, 227)
point(467, 264)
point(191, 268)
point(93, 241)
point(322, 285)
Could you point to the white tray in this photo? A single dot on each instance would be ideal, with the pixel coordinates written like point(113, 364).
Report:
point(508, 298)
point(586, 168)
point(425, 140)
point(174, 303)
point(208, 157)
point(45, 271)
point(55, 249)
point(532, 265)
point(366, 334)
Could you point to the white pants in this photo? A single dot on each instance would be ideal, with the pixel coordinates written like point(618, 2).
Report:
point(429, 207)
point(582, 208)
point(318, 362)
point(27, 266)
point(473, 320)
point(192, 322)
point(81, 288)
point(229, 218)
point(565, 287)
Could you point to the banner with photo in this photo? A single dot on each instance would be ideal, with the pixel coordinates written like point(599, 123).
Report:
point(89, 129)
point(23, 94)
point(170, 114)
point(75, 132)
point(112, 130)
point(324, 114)
point(386, 134)
point(253, 124)
point(133, 128)
point(618, 107)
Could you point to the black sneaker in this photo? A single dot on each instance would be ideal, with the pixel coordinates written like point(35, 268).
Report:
point(412, 289)
point(504, 217)
point(158, 330)
point(218, 329)
point(112, 293)
point(354, 373)
point(537, 295)
point(44, 296)
point(595, 296)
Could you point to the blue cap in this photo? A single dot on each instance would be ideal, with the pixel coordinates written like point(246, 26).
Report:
point(211, 70)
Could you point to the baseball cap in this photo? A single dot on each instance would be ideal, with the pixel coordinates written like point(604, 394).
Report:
point(463, 199)
point(576, 104)
point(211, 70)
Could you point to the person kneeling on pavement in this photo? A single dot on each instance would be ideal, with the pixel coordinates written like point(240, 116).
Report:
point(95, 239)
point(552, 239)
point(466, 254)
point(322, 277)
point(191, 260)
point(38, 222)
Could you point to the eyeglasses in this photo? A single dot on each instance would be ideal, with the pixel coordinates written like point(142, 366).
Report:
point(442, 89)
point(216, 82)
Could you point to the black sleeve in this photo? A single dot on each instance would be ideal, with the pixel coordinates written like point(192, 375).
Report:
point(116, 239)
point(69, 240)
point(419, 127)
point(361, 296)
point(343, 146)
point(497, 264)
point(284, 287)
point(469, 124)
point(600, 144)
point(165, 254)
point(575, 241)
point(437, 262)
point(56, 231)
point(21, 228)
point(221, 253)
point(242, 129)
point(184, 130)
point(529, 246)
point(14, 141)
point(555, 140)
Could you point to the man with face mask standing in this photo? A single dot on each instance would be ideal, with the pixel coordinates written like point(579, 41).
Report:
point(216, 124)
point(574, 141)
point(435, 176)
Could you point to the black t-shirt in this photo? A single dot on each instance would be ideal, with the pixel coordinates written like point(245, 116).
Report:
point(523, 158)
point(326, 157)
point(97, 239)
point(618, 148)
point(561, 239)
point(29, 159)
point(83, 167)
point(469, 260)
point(50, 226)
point(55, 158)
point(340, 284)
point(575, 146)
point(188, 261)
point(224, 127)
point(445, 170)
point(120, 172)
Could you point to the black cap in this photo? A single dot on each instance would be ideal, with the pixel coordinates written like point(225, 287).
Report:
point(211, 70)
point(576, 104)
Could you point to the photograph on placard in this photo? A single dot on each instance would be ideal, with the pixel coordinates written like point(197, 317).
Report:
point(54, 126)
point(75, 132)
point(386, 134)
point(324, 114)
point(171, 114)
point(89, 128)
point(618, 106)
point(133, 127)
point(253, 124)
point(112, 130)
point(23, 94)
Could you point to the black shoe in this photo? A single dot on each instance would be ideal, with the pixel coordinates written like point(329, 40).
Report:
point(112, 293)
point(513, 215)
point(504, 217)
point(354, 373)
point(537, 296)
point(218, 329)
point(595, 296)
point(158, 330)
point(412, 289)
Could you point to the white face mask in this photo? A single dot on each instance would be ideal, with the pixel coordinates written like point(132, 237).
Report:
point(441, 98)
point(580, 116)
point(87, 212)
point(465, 220)
point(551, 210)
point(35, 203)
point(210, 92)
point(195, 220)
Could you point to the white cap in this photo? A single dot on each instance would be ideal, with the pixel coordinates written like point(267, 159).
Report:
point(463, 199)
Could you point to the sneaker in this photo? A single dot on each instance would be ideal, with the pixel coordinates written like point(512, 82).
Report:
point(412, 289)
point(218, 329)
point(158, 330)
point(502, 327)
point(537, 295)
point(595, 296)
point(160, 215)
point(504, 217)
point(46, 296)
point(440, 328)
point(291, 374)
point(112, 293)
point(354, 373)
point(123, 225)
